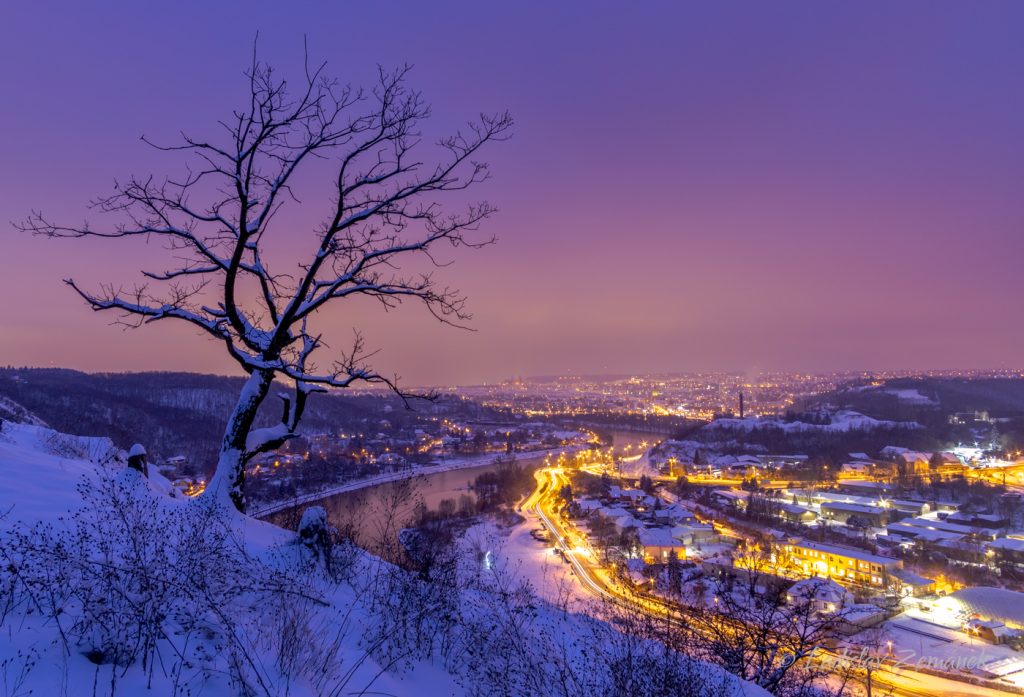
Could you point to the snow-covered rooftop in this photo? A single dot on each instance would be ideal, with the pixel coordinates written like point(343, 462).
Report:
point(988, 602)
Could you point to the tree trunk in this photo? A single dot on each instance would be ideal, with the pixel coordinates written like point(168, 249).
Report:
point(227, 486)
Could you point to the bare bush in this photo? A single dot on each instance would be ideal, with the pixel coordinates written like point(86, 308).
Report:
point(133, 580)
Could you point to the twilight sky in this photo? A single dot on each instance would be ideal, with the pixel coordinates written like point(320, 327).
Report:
point(691, 186)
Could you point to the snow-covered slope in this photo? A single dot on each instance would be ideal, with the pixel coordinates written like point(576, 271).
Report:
point(111, 585)
point(40, 468)
point(12, 411)
point(48, 481)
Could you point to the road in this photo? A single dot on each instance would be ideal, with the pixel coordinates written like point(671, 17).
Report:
point(543, 503)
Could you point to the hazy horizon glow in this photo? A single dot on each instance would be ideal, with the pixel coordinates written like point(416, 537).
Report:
point(732, 186)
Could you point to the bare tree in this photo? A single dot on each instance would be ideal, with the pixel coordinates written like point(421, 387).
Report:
point(759, 631)
point(214, 221)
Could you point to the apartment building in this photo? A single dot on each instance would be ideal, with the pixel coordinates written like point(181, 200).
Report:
point(844, 564)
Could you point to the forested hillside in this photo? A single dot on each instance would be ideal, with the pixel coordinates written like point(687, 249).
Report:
point(170, 413)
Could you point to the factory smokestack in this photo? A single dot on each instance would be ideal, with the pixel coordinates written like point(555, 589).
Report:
point(741, 405)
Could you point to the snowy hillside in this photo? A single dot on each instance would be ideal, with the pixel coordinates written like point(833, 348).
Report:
point(12, 411)
point(111, 585)
point(910, 396)
point(839, 421)
point(39, 470)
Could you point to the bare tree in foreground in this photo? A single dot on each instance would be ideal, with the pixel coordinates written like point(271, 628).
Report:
point(215, 221)
point(757, 630)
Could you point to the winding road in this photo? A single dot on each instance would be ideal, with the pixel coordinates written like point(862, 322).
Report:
point(543, 504)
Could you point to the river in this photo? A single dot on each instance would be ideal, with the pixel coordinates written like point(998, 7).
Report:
point(374, 515)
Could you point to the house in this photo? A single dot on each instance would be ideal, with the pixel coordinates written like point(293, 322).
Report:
point(673, 513)
point(875, 516)
point(860, 616)
point(657, 543)
point(1008, 549)
point(922, 534)
point(391, 459)
point(824, 595)
point(914, 585)
point(796, 514)
point(863, 487)
point(941, 533)
point(738, 470)
point(912, 463)
point(588, 506)
point(736, 461)
point(855, 470)
point(696, 533)
point(963, 550)
point(634, 496)
point(731, 497)
point(910, 507)
point(992, 631)
point(948, 525)
point(949, 465)
point(622, 520)
point(969, 417)
point(989, 521)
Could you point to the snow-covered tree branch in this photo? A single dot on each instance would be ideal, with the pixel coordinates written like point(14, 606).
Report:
point(214, 220)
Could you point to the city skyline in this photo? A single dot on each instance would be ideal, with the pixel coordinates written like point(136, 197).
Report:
point(703, 197)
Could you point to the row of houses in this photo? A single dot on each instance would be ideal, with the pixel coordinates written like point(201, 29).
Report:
point(851, 566)
point(846, 565)
point(892, 461)
point(672, 463)
point(660, 528)
point(840, 506)
point(968, 537)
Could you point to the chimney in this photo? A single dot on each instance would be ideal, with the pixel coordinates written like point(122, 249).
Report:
point(741, 405)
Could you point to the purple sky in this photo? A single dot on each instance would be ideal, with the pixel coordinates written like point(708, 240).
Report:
point(691, 186)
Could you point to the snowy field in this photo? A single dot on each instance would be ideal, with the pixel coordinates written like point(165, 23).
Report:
point(917, 641)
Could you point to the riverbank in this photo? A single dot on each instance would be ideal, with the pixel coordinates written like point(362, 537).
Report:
point(390, 477)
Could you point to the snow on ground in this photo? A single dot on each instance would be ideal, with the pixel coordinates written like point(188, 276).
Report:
point(531, 560)
point(40, 477)
point(921, 642)
point(638, 465)
point(37, 475)
point(569, 611)
point(201, 642)
point(910, 396)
